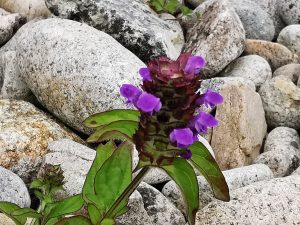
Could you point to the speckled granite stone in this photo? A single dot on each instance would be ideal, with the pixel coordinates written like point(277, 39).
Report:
point(24, 135)
point(273, 202)
point(290, 37)
point(13, 189)
point(276, 54)
point(289, 11)
point(131, 22)
point(73, 69)
point(281, 102)
point(219, 36)
point(292, 71)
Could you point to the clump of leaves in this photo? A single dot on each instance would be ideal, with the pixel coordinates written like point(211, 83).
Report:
point(169, 6)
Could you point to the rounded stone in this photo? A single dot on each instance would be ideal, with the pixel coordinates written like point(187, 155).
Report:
point(292, 71)
point(276, 54)
point(290, 37)
point(13, 189)
point(251, 67)
point(73, 69)
point(257, 22)
point(281, 102)
point(289, 11)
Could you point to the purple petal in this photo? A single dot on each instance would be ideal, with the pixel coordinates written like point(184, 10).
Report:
point(186, 155)
point(194, 65)
point(202, 121)
point(210, 98)
point(145, 74)
point(148, 103)
point(183, 137)
point(130, 92)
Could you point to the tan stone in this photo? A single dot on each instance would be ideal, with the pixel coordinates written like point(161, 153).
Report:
point(28, 8)
point(25, 133)
point(4, 220)
point(276, 54)
point(242, 126)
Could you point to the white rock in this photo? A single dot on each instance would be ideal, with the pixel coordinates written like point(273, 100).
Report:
point(24, 135)
point(252, 67)
point(290, 37)
point(73, 69)
point(27, 8)
point(13, 85)
point(219, 36)
point(292, 71)
point(13, 189)
point(9, 24)
point(235, 178)
point(280, 97)
point(158, 207)
point(273, 202)
point(131, 22)
point(281, 151)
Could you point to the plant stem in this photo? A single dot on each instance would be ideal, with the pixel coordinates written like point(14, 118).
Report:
point(128, 191)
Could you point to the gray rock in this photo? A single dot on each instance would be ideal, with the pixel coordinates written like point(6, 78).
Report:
point(289, 11)
point(252, 67)
point(70, 69)
point(257, 23)
point(281, 102)
point(290, 37)
point(296, 172)
point(158, 207)
point(276, 54)
point(9, 24)
point(292, 71)
point(12, 85)
point(235, 178)
point(273, 202)
point(13, 189)
point(24, 135)
point(219, 36)
point(245, 128)
point(28, 8)
point(75, 160)
point(281, 151)
point(131, 22)
point(137, 214)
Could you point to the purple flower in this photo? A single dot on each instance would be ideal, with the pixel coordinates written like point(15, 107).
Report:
point(130, 92)
point(148, 103)
point(194, 65)
point(145, 74)
point(210, 99)
point(202, 121)
point(183, 137)
point(186, 155)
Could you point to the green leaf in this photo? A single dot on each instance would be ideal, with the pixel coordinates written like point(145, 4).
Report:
point(112, 179)
point(171, 6)
point(36, 184)
point(75, 220)
point(184, 176)
point(206, 164)
point(94, 214)
point(107, 117)
point(17, 214)
point(186, 11)
point(108, 222)
point(125, 127)
point(64, 207)
point(103, 153)
point(158, 5)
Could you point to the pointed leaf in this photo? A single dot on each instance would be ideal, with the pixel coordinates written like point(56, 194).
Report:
point(108, 222)
point(107, 117)
point(113, 178)
point(94, 214)
point(125, 127)
point(184, 176)
point(113, 135)
point(66, 206)
point(103, 153)
point(206, 164)
point(75, 220)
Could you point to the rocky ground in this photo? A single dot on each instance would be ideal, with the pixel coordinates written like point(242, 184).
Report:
point(61, 63)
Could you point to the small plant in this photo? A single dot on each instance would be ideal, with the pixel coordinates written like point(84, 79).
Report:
point(169, 6)
point(164, 130)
